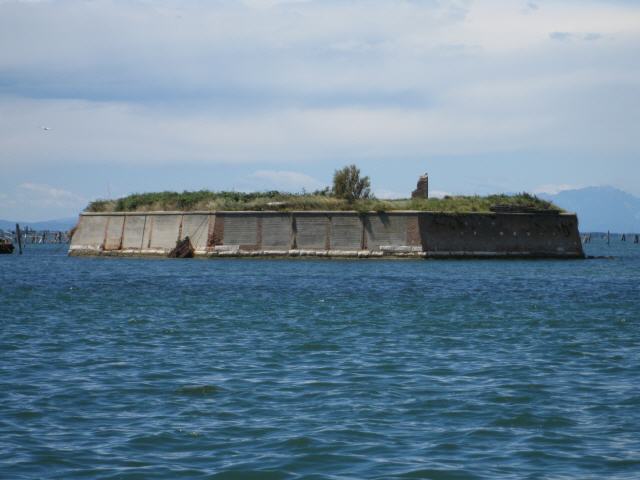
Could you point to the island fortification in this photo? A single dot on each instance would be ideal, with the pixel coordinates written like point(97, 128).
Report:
point(330, 234)
point(274, 224)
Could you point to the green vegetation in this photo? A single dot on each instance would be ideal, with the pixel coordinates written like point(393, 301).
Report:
point(348, 185)
point(350, 192)
point(320, 200)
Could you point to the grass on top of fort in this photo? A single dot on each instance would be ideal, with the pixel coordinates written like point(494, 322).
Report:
point(323, 200)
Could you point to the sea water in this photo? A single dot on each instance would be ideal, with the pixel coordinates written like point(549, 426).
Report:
point(150, 368)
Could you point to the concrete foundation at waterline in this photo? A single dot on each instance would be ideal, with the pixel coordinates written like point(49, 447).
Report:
point(397, 234)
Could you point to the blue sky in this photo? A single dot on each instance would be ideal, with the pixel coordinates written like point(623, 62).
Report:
point(487, 96)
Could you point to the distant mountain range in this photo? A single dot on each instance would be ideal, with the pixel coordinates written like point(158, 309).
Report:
point(61, 224)
point(601, 209)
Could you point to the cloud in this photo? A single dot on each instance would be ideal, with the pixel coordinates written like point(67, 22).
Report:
point(242, 54)
point(568, 36)
point(508, 114)
point(561, 36)
point(592, 36)
point(47, 195)
point(553, 189)
point(34, 201)
point(390, 194)
point(286, 181)
point(298, 83)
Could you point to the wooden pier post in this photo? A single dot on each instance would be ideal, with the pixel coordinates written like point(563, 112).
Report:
point(19, 238)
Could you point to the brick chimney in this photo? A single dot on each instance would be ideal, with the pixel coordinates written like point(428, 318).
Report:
point(422, 189)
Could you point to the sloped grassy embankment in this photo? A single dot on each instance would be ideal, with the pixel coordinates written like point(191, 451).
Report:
point(281, 201)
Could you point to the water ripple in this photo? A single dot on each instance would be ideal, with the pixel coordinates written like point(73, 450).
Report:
point(130, 369)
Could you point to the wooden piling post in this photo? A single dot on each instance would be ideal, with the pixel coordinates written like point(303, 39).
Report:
point(608, 237)
point(19, 238)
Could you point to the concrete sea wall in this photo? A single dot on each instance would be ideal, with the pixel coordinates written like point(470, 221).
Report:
point(330, 234)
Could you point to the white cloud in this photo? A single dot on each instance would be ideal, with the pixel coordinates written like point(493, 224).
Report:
point(34, 201)
point(47, 195)
point(171, 50)
point(285, 180)
point(300, 81)
point(553, 189)
point(390, 194)
point(295, 82)
point(48, 191)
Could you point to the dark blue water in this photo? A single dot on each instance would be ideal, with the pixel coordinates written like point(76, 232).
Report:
point(132, 369)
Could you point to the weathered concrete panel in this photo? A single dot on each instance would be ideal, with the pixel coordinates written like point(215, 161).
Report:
point(385, 229)
point(346, 232)
point(90, 232)
point(413, 230)
point(113, 237)
point(241, 230)
point(196, 227)
point(276, 232)
point(134, 226)
point(216, 231)
point(502, 234)
point(148, 229)
point(312, 231)
point(164, 231)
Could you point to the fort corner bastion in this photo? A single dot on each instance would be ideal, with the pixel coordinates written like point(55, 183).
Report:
point(403, 234)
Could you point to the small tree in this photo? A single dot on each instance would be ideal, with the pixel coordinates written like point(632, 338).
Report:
point(348, 185)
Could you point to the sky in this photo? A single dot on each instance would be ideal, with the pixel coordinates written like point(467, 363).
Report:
point(99, 99)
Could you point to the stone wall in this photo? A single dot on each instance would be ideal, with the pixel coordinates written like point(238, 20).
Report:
point(333, 234)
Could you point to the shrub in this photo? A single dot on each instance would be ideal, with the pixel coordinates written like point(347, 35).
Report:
point(348, 185)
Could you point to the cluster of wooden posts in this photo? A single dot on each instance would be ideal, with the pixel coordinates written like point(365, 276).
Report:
point(586, 238)
point(45, 237)
point(30, 236)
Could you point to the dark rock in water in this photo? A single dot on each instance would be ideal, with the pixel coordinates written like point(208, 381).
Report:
point(183, 249)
